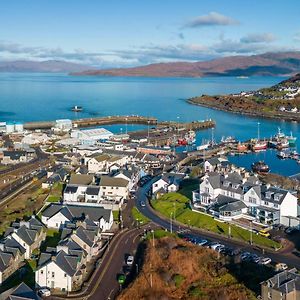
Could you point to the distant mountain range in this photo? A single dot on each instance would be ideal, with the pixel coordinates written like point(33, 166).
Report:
point(52, 66)
point(268, 64)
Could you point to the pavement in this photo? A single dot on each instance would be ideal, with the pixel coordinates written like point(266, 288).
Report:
point(283, 256)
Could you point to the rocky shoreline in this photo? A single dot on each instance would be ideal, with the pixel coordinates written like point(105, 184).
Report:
point(200, 101)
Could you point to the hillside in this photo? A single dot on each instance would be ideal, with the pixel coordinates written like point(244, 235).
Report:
point(268, 64)
point(51, 66)
point(279, 101)
point(181, 270)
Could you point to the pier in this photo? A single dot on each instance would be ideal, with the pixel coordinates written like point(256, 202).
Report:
point(110, 120)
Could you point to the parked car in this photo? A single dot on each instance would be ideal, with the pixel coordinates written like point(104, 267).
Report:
point(264, 232)
point(130, 260)
point(214, 245)
point(202, 242)
point(143, 204)
point(245, 256)
point(281, 267)
point(291, 230)
point(265, 261)
point(44, 292)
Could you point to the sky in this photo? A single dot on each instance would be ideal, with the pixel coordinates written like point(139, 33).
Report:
point(125, 33)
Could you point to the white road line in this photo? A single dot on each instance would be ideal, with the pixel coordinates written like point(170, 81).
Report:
point(126, 241)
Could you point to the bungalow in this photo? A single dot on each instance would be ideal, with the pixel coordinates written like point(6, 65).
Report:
point(167, 182)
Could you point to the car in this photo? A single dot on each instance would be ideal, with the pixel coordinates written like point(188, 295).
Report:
point(44, 292)
point(265, 261)
point(121, 278)
point(202, 242)
point(281, 267)
point(264, 232)
point(214, 245)
point(245, 255)
point(129, 260)
point(143, 204)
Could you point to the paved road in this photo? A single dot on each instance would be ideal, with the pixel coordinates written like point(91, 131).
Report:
point(284, 257)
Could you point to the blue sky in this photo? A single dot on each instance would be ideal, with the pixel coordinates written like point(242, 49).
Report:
point(119, 33)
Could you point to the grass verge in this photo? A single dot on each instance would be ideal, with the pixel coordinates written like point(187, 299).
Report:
point(138, 216)
point(177, 206)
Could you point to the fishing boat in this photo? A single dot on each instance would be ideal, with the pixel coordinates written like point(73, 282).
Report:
point(241, 147)
point(292, 140)
point(228, 140)
point(282, 155)
point(77, 108)
point(190, 137)
point(260, 167)
point(279, 135)
point(283, 144)
point(259, 145)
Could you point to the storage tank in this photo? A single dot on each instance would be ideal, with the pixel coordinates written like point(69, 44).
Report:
point(10, 127)
point(19, 127)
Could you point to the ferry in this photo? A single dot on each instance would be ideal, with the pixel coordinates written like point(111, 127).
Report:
point(260, 167)
point(77, 108)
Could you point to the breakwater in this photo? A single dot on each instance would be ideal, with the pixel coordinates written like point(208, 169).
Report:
point(110, 120)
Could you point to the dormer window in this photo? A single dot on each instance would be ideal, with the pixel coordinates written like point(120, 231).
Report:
point(277, 196)
point(235, 186)
point(266, 203)
point(269, 194)
point(226, 183)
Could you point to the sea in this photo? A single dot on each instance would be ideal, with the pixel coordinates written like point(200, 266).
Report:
point(46, 96)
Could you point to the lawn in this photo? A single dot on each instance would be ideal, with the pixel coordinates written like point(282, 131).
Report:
point(175, 204)
point(116, 215)
point(138, 216)
point(52, 239)
point(160, 233)
point(53, 198)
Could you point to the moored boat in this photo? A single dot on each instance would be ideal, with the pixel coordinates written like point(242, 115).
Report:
point(77, 108)
point(282, 154)
point(260, 167)
point(260, 146)
point(292, 140)
point(241, 147)
point(283, 144)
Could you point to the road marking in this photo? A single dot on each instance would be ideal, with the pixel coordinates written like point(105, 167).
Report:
point(126, 241)
point(108, 298)
point(136, 237)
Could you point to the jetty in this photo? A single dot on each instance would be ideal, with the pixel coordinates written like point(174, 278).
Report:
point(133, 119)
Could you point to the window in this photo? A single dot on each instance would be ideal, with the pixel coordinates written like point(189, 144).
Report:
point(252, 200)
point(266, 203)
point(42, 271)
point(65, 275)
point(207, 190)
point(275, 205)
point(53, 274)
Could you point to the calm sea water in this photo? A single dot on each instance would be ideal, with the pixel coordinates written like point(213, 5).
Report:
point(35, 96)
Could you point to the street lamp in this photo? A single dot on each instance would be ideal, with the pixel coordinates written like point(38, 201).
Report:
point(250, 232)
point(126, 124)
point(171, 229)
point(178, 125)
point(148, 129)
point(152, 231)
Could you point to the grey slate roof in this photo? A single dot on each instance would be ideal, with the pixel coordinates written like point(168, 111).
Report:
point(233, 206)
point(5, 259)
point(71, 189)
point(86, 235)
point(27, 235)
point(95, 213)
point(10, 244)
point(21, 292)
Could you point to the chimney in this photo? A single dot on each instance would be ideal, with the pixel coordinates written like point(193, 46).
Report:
point(53, 258)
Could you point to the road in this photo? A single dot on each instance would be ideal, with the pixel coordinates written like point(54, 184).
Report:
point(280, 256)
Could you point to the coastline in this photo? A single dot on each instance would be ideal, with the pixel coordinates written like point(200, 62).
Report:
point(271, 115)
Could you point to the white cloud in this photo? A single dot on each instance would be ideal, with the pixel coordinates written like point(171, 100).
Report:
point(297, 37)
point(211, 19)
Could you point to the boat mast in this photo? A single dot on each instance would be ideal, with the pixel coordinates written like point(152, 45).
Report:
point(258, 131)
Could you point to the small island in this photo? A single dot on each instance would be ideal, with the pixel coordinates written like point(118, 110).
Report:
point(281, 101)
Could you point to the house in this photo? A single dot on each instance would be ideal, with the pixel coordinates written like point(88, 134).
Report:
point(59, 215)
point(14, 157)
point(7, 265)
point(167, 182)
point(131, 175)
point(267, 204)
point(115, 189)
point(29, 235)
point(21, 292)
point(283, 285)
point(105, 163)
point(55, 177)
point(81, 179)
point(212, 164)
point(60, 271)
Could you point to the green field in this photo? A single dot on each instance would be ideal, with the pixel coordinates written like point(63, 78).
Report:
point(138, 216)
point(175, 204)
